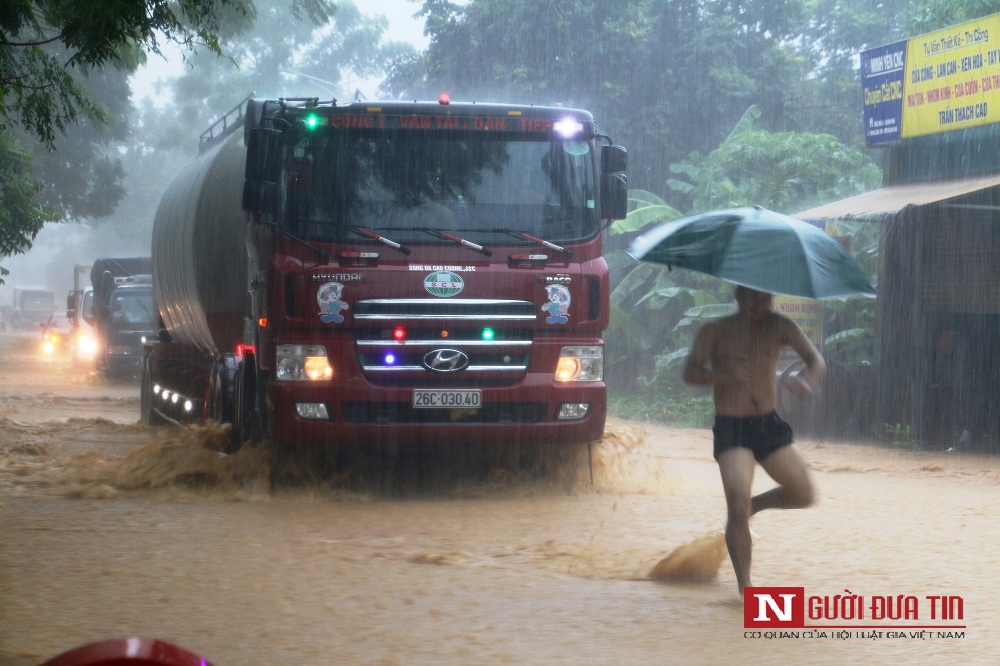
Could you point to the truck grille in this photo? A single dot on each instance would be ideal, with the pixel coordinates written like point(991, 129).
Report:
point(445, 310)
point(444, 343)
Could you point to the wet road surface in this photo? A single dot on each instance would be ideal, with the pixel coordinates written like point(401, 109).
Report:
point(109, 528)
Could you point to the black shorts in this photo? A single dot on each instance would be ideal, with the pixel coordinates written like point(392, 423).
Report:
point(761, 434)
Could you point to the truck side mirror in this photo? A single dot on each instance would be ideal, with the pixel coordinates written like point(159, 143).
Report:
point(265, 150)
point(71, 302)
point(614, 183)
point(614, 196)
point(614, 159)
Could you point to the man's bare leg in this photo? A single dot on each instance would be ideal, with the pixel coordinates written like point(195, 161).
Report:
point(737, 467)
point(794, 490)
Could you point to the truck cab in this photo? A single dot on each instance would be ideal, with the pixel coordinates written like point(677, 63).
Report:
point(405, 272)
point(131, 318)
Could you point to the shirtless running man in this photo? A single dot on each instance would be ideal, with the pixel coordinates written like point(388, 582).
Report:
point(738, 356)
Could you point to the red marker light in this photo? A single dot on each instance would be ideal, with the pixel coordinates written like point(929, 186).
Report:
point(444, 99)
point(399, 333)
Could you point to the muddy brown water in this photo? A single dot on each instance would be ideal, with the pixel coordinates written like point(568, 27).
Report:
point(109, 528)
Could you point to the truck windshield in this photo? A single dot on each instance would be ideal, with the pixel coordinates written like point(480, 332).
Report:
point(397, 183)
point(38, 301)
point(133, 307)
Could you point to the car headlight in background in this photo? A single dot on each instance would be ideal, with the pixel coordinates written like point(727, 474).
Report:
point(303, 363)
point(580, 363)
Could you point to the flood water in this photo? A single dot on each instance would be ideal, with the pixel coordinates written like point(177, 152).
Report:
point(110, 529)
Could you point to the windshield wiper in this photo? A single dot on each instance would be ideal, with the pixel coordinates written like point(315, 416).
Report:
point(454, 239)
point(323, 254)
point(533, 239)
point(367, 233)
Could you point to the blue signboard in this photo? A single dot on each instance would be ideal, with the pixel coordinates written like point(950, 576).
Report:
point(882, 71)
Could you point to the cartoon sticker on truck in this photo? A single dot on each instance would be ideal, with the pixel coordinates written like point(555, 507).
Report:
point(330, 305)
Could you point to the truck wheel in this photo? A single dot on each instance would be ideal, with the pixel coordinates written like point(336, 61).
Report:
point(147, 415)
point(246, 416)
point(220, 408)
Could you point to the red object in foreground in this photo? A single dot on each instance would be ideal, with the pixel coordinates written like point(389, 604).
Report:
point(128, 652)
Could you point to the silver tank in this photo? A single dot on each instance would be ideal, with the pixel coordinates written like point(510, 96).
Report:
point(199, 251)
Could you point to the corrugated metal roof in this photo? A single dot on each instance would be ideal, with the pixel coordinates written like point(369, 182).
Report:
point(891, 200)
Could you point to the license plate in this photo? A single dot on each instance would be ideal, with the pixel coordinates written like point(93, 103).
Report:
point(427, 399)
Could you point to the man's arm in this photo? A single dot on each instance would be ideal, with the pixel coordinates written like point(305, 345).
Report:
point(815, 365)
point(696, 370)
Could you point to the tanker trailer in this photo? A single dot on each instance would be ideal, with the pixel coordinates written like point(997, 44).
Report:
point(199, 263)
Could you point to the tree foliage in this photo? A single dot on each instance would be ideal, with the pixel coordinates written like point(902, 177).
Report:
point(285, 54)
point(37, 91)
point(663, 77)
point(55, 58)
point(21, 216)
point(657, 310)
point(782, 171)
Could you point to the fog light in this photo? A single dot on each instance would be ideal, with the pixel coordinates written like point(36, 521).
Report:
point(312, 410)
point(570, 411)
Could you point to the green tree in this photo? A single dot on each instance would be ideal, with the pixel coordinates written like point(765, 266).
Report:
point(656, 311)
point(663, 77)
point(37, 91)
point(21, 216)
point(51, 51)
point(827, 94)
point(287, 55)
point(64, 92)
point(937, 14)
point(782, 171)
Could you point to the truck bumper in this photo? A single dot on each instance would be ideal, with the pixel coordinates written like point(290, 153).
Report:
point(360, 413)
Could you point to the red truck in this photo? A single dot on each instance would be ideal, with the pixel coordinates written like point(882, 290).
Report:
point(387, 272)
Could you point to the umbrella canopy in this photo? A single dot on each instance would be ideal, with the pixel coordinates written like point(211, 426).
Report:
point(756, 248)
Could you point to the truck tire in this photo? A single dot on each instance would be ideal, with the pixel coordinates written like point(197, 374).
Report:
point(147, 415)
point(246, 415)
point(220, 395)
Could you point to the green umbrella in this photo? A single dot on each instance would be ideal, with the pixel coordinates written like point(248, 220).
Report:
point(756, 248)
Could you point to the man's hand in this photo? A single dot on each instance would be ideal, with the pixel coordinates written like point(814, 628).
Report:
point(800, 386)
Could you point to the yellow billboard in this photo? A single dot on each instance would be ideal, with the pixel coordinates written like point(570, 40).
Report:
point(952, 78)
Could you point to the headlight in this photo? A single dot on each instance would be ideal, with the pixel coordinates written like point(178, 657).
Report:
point(303, 362)
point(581, 363)
point(85, 346)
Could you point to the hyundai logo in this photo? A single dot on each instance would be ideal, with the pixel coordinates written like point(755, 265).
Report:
point(446, 360)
